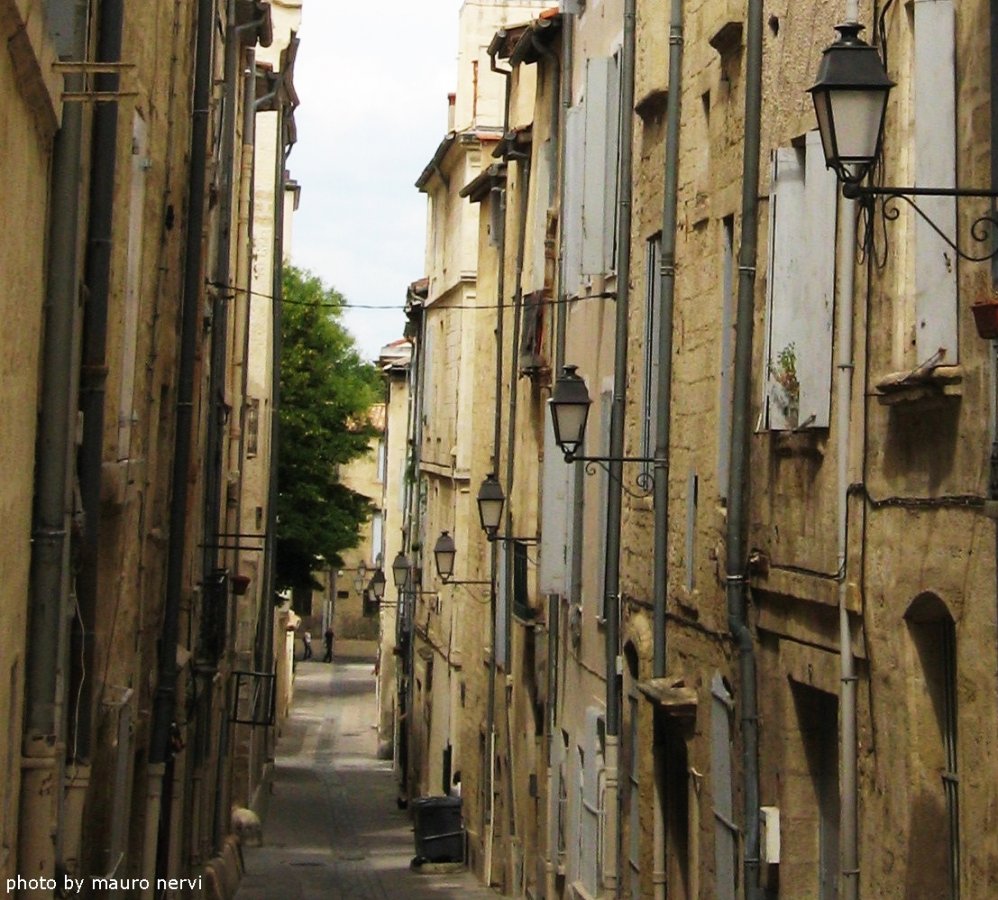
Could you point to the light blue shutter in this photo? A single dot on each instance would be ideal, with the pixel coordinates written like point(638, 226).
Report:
point(801, 285)
point(935, 166)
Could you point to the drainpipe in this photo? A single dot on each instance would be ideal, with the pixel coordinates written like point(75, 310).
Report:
point(614, 661)
point(158, 812)
point(846, 367)
point(561, 101)
point(567, 51)
point(736, 561)
point(508, 545)
point(496, 445)
point(93, 377)
point(667, 276)
point(39, 804)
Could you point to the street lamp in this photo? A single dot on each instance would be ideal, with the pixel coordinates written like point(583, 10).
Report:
point(377, 585)
point(850, 101)
point(444, 552)
point(569, 405)
point(490, 504)
point(401, 571)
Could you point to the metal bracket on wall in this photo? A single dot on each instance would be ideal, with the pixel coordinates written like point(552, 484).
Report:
point(94, 68)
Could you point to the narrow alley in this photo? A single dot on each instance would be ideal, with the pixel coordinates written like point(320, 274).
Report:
point(333, 829)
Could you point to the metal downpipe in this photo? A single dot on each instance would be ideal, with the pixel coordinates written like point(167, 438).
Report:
point(159, 814)
point(667, 276)
point(614, 663)
point(495, 546)
point(93, 375)
point(737, 524)
point(39, 800)
point(846, 368)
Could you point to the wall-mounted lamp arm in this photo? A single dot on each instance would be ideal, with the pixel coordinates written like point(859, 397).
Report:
point(983, 230)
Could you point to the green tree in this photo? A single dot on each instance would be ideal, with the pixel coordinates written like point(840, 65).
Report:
point(327, 391)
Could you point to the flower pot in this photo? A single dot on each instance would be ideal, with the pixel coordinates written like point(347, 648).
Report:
point(239, 584)
point(986, 319)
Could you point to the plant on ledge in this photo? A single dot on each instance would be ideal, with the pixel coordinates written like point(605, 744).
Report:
point(786, 389)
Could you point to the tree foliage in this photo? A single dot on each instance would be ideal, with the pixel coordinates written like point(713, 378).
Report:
point(327, 391)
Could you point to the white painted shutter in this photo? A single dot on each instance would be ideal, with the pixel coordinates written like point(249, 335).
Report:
point(575, 144)
point(935, 166)
point(599, 199)
point(801, 284)
point(556, 517)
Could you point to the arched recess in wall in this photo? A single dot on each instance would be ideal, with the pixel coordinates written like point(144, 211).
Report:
point(631, 755)
point(934, 814)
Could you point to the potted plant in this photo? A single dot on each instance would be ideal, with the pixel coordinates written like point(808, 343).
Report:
point(986, 315)
point(786, 390)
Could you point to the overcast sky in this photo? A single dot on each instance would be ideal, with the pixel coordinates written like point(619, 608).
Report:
point(373, 83)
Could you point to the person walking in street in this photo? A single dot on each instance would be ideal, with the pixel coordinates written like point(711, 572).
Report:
point(328, 638)
point(307, 641)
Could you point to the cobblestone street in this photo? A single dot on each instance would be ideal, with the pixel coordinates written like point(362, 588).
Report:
point(333, 829)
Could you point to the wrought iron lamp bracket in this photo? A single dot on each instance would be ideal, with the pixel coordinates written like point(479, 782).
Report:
point(644, 480)
point(983, 230)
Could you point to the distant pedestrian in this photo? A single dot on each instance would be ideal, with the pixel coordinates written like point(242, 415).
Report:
point(328, 638)
point(307, 641)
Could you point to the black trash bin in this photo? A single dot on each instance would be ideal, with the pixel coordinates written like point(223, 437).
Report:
point(438, 829)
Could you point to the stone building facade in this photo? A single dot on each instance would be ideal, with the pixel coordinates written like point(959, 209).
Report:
point(130, 145)
point(782, 556)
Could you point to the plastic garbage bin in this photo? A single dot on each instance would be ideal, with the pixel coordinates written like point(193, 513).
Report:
point(438, 829)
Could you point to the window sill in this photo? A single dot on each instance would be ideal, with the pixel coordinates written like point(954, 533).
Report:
point(809, 442)
point(926, 387)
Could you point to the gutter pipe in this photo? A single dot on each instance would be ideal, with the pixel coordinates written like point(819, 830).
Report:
point(39, 804)
point(94, 375)
point(508, 545)
point(158, 814)
point(846, 366)
point(496, 445)
point(614, 661)
point(737, 524)
point(667, 277)
point(557, 190)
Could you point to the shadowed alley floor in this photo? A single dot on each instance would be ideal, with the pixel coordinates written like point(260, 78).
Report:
point(333, 829)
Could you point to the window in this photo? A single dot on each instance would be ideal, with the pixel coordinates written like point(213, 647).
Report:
point(592, 140)
point(380, 461)
point(603, 486)
point(521, 596)
point(692, 502)
point(634, 802)
point(252, 427)
point(727, 361)
point(590, 849)
point(649, 394)
point(377, 536)
point(801, 288)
